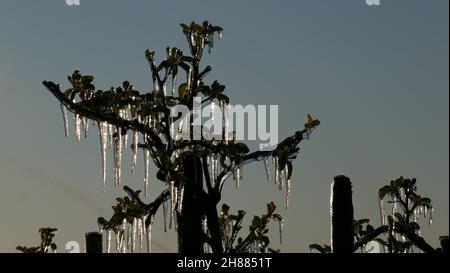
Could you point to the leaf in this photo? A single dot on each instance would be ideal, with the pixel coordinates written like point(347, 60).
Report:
point(384, 191)
point(271, 207)
point(182, 90)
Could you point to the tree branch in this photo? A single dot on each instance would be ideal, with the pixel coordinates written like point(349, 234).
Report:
point(153, 207)
point(97, 115)
point(369, 237)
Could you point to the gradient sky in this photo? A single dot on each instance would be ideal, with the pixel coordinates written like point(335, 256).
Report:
point(377, 78)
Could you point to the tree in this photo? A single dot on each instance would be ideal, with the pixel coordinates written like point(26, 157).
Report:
point(47, 243)
point(399, 231)
point(194, 170)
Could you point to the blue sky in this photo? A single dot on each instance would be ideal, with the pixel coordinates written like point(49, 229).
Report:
point(377, 78)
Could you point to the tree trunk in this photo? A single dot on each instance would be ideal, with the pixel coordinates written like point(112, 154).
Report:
point(196, 205)
point(190, 233)
point(341, 215)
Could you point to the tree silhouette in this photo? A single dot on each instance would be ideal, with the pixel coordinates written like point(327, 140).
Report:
point(47, 244)
point(400, 209)
point(194, 170)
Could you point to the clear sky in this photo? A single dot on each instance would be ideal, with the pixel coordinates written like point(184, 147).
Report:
point(377, 78)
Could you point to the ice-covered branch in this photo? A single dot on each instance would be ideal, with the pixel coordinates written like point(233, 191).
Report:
point(97, 115)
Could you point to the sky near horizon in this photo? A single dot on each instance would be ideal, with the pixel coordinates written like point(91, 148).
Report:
point(376, 77)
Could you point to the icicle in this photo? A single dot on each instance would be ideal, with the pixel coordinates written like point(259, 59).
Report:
point(189, 79)
point(395, 206)
point(149, 235)
point(277, 172)
point(281, 180)
point(165, 88)
point(133, 236)
point(430, 219)
point(210, 41)
point(165, 215)
point(124, 228)
point(117, 157)
point(134, 148)
point(180, 199)
point(174, 82)
point(143, 232)
point(108, 240)
point(266, 166)
point(85, 122)
point(280, 227)
point(110, 136)
point(103, 140)
point(212, 106)
point(382, 211)
point(213, 166)
point(123, 113)
point(65, 120)
point(77, 127)
point(205, 230)
point(129, 228)
point(288, 193)
point(238, 177)
point(173, 202)
point(146, 163)
point(227, 122)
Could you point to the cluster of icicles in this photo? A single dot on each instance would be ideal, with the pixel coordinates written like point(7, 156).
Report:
point(396, 207)
point(132, 237)
point(112, 137)
point(280, 178)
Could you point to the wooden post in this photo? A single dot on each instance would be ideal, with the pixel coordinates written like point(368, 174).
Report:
point(341, 215)
point(94, 242)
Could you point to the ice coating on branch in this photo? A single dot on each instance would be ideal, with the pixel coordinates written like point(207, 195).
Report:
point(103, 141)
point(65, 120)
point(77, 128)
